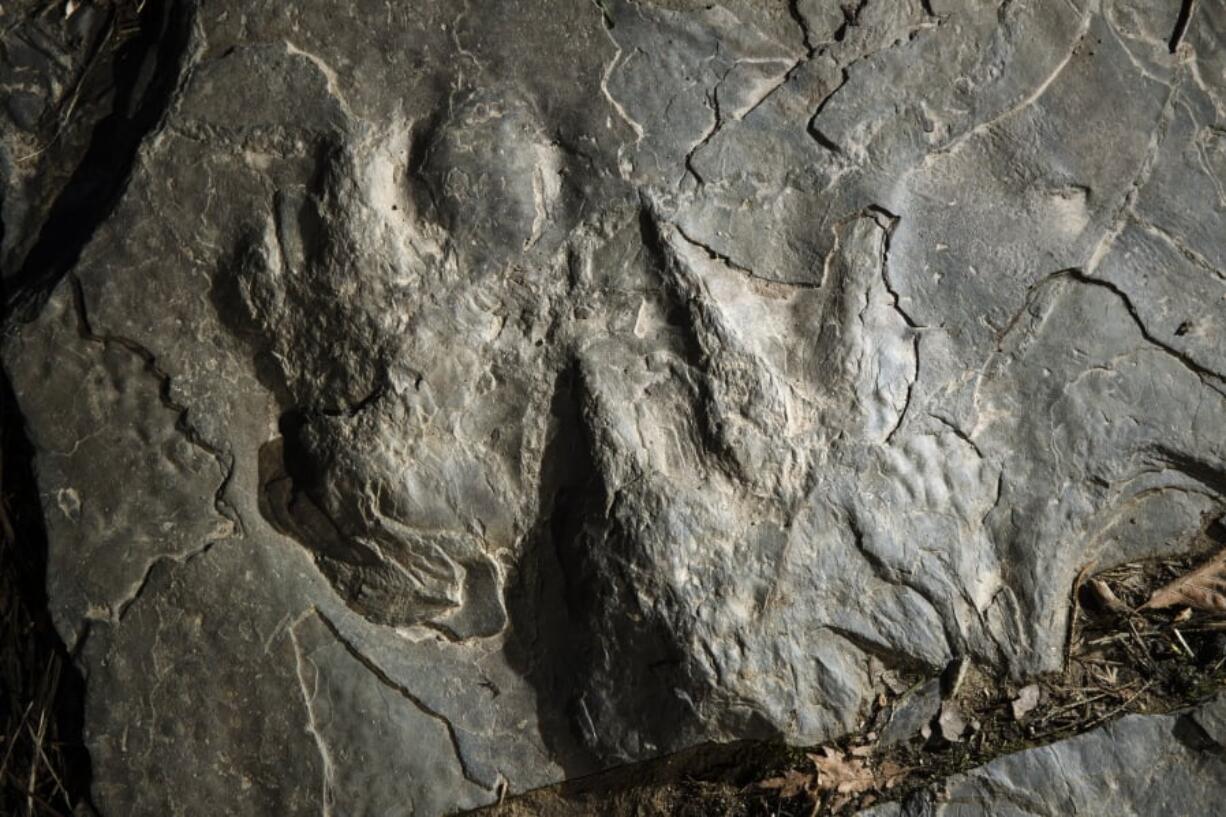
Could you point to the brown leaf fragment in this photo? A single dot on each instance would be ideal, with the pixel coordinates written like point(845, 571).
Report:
point(1203, 589)
point(1104, 598)
point(849, 775)
point(1025, 702)
point(892, 773)
point(791, 783)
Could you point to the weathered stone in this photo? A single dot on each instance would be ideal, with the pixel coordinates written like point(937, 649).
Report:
point(915, 709)
point(463, 397)
point(1140, 764)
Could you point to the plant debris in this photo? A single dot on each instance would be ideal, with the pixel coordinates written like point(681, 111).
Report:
point(791, 784)
point(1203, 589)
point(1104, 598)
point(44, 768)
point(836, 776)
point(1128, 651)
point(848, 774)
point(1143, 637)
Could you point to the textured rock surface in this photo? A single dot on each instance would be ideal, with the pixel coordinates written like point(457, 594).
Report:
point(460, 397)
point(1141, 764)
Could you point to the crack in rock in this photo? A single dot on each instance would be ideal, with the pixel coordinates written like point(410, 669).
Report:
point(375, 670)
point(225, 460)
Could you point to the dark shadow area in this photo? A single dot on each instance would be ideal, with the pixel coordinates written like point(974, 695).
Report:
point(589, 669)
point(44, 765)
point(147, 68)
point(553, 574)
point(42, 693)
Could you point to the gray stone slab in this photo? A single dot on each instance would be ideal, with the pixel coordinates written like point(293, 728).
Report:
point(459, 397)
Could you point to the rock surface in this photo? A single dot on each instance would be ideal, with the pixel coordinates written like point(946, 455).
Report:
point(437, 401)
point(1140, 764)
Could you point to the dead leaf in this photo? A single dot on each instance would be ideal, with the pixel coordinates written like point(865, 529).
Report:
point(1105, 599)
point(1203, 589)
point(1025, 702)
point(892, 773)
point(843, 775)
point(791, 784)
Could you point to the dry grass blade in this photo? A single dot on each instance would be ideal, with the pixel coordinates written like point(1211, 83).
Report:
point(47, 763)
point(42, 773)
point(1203, 589)
point(11, 739)
point(48, 809)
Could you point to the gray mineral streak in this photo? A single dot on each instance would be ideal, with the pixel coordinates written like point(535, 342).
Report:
point(452, 399)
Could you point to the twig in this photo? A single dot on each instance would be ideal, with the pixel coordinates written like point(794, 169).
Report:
point(1100, 719)
point(1132, 628)
point(34, 765)
point(1108, 639)
point(70, 102)
point(50, 809)
point(1112, 713)
point(13, 739)
point(1179, 635)
point(1075, 704)
point(38, 745)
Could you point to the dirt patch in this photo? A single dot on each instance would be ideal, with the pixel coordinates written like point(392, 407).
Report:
point(706, 781)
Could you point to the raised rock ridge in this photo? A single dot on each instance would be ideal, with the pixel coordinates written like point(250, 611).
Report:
point(447, 400)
